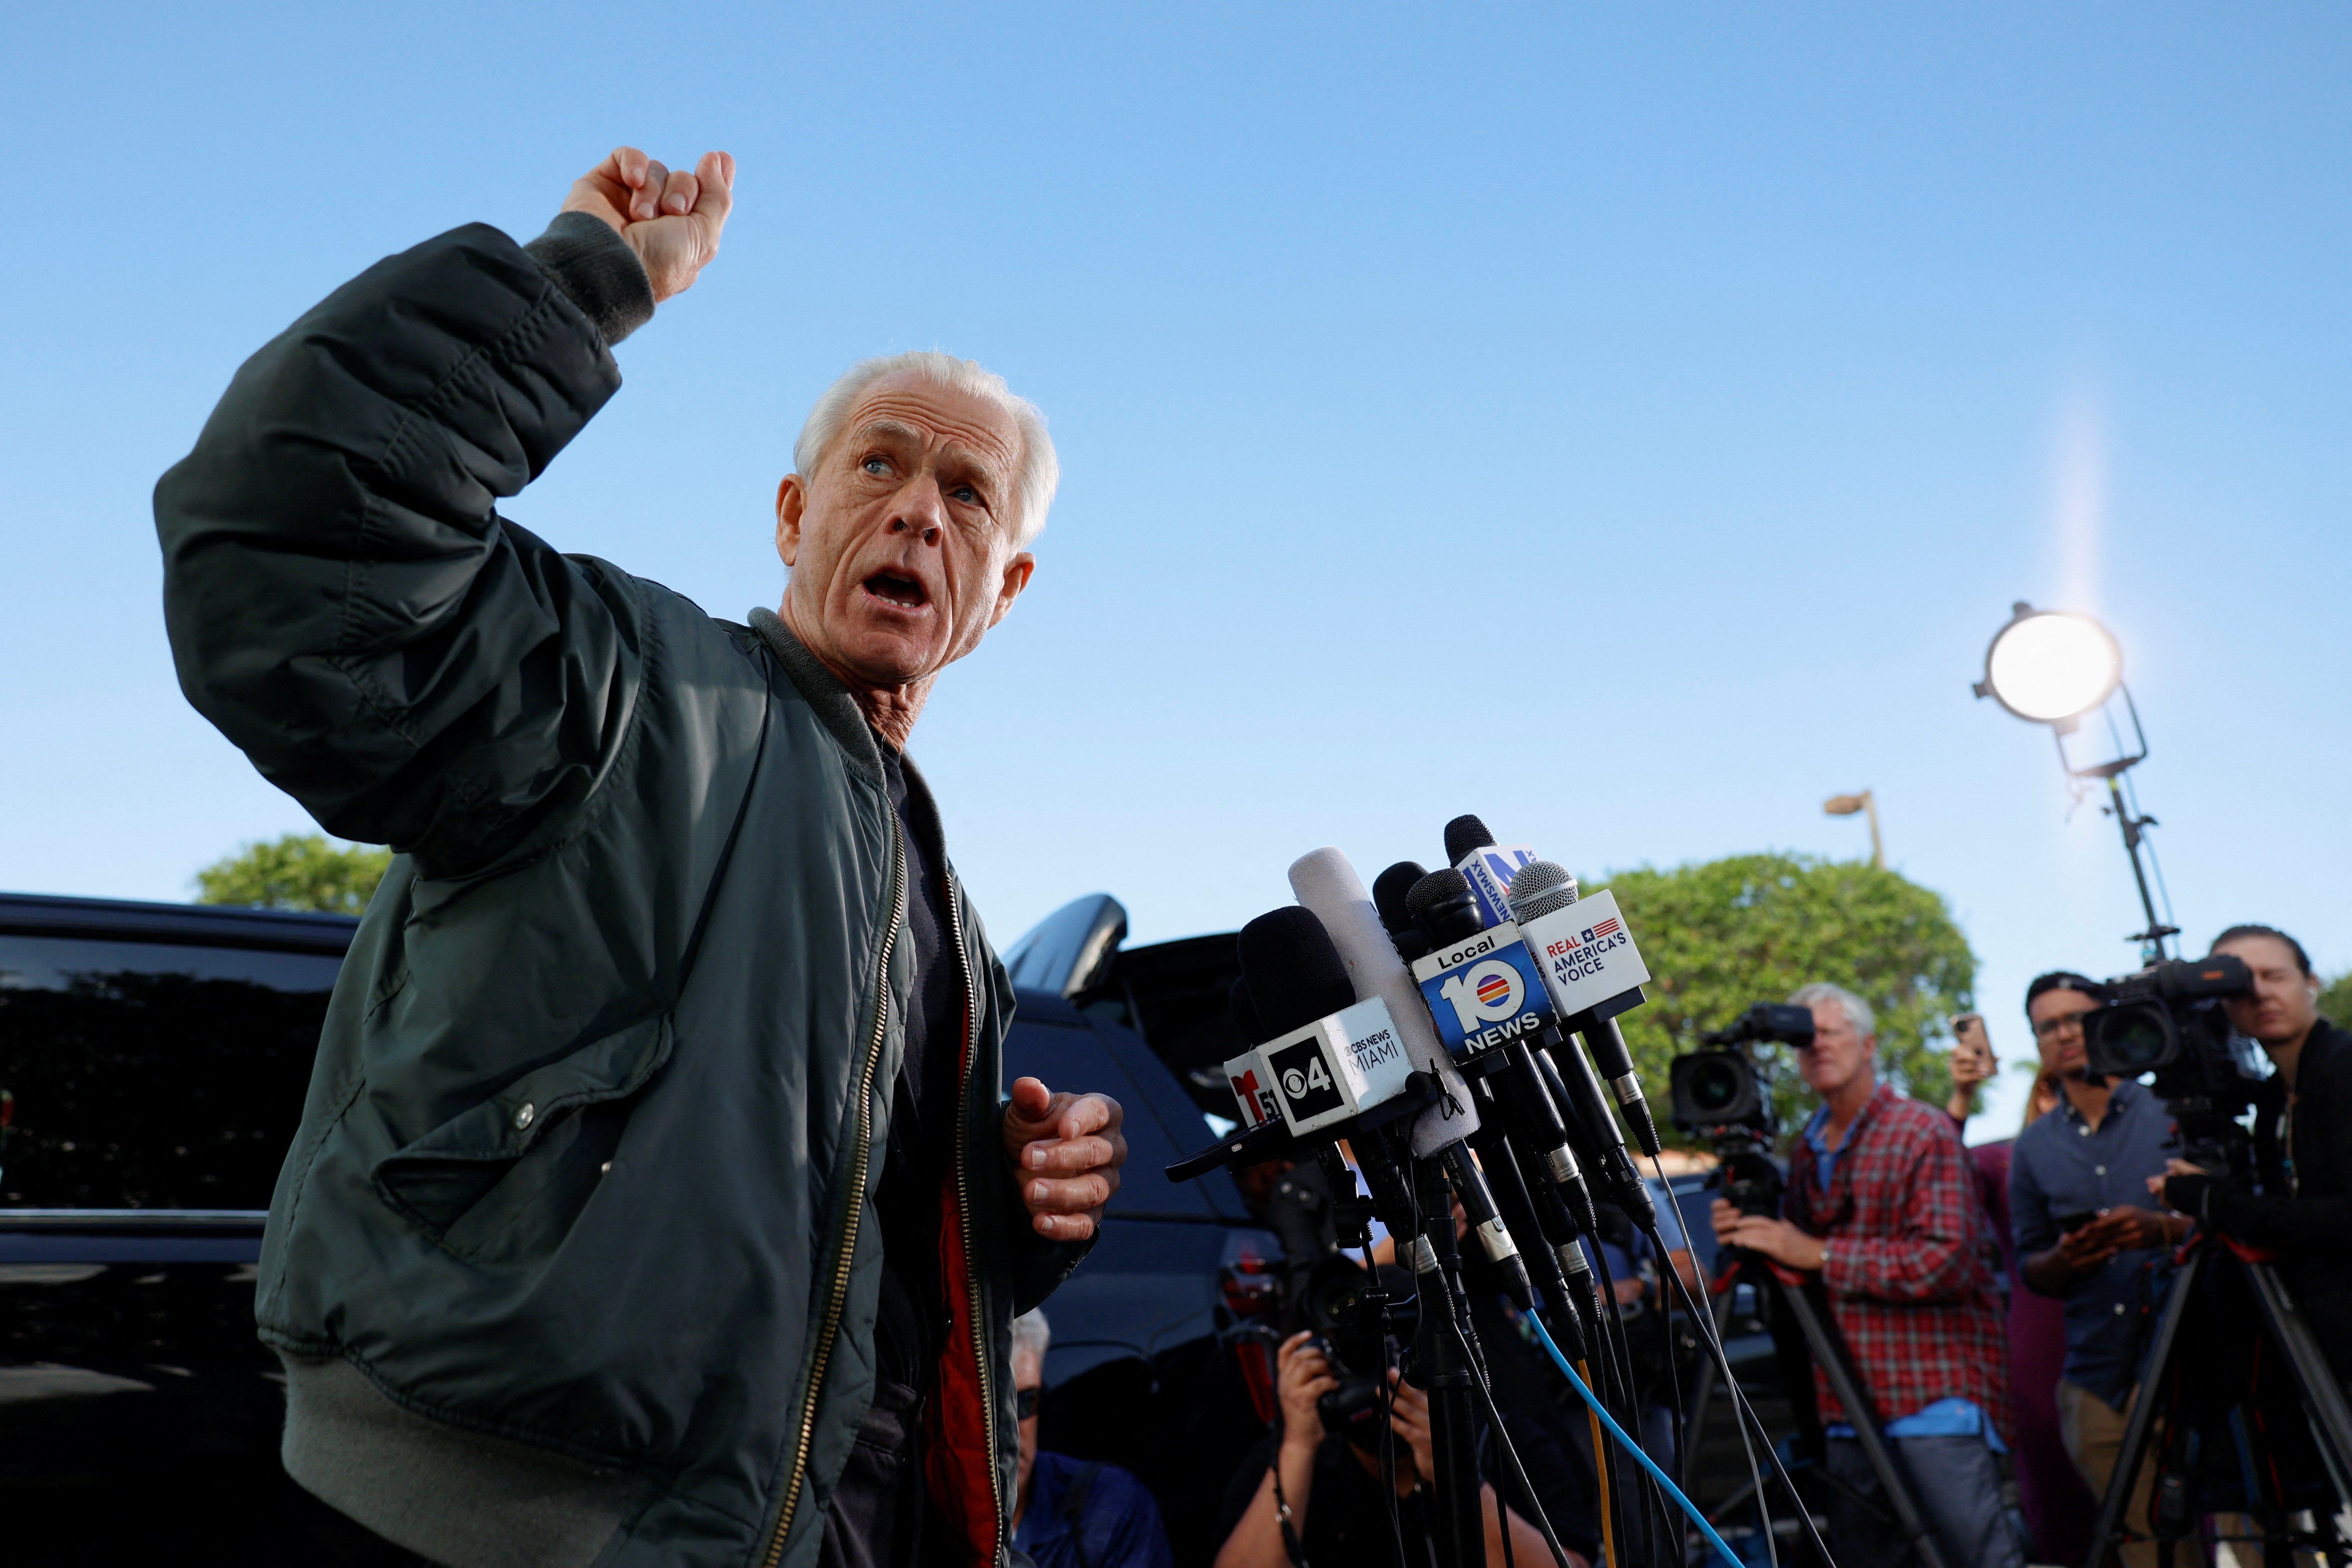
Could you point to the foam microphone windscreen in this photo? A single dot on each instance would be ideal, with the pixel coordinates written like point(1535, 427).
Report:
point(1294, 973)
point(1441, 905)
point(1327, 885)
point(1241, 1007)
point(1463, 835)
point(1390, 890)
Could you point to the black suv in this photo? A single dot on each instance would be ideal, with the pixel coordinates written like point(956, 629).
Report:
point(152, 1064)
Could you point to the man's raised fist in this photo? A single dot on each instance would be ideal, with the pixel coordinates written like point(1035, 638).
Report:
point(670, 218)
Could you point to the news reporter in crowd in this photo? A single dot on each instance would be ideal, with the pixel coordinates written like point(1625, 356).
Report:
point(2086, 1234)
point(654, 1201)
point(2302, 1139)
point(1306, 1495)
point(1882, 1207)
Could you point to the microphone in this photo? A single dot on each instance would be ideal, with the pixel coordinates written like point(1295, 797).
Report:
point(1592, 967)
point(1288, 953)
point(1389, 892)
point(1463, 835)
point(1327, 887)
point(1327, 1057)
point(1241, 1007)
point(1448, 914)
point(1488, 864)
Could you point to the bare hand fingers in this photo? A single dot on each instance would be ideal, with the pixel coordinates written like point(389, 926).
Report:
point(1063, 1227)
point(678, 193)
point(645, 201)
point(715, 177)
point(1069, 1195)
point(1068, 1156)
point(1086, 1113)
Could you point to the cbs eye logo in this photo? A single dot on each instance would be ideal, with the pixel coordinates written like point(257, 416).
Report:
point(1305, 1079)
point(1485, 992)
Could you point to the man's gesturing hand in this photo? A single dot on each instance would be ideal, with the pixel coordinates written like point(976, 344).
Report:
point(671, 219)
point(1067, 1148)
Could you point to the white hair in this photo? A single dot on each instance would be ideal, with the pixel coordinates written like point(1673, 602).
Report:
point(1040, 472)
point(1857, 1011)
point(1032, 1333)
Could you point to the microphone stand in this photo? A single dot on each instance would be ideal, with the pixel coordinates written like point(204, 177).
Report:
point(1458, 1521)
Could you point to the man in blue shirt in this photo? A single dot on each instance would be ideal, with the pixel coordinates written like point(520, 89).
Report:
point(1072, 1513)
point(2077, 1203)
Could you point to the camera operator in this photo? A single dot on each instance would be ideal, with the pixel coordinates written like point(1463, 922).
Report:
point(1882, 1207)
point(2083, 1239)
point(2302, 1139)
point(1309, 1497)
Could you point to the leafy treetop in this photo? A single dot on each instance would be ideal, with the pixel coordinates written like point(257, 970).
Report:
point(298, 871)
point(1719, 935)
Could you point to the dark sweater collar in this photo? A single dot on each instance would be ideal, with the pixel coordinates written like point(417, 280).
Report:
point(831, 700)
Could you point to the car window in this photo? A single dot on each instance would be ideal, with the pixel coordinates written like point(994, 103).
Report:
point(151, 1075)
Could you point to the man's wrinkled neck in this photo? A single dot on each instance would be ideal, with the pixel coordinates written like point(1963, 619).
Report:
point(1846, 1100)
point(890, 710)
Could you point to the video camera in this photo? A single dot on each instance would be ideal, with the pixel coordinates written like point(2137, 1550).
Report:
point(1331, 1296)
point(2168, 1019)
point(1722, 1094)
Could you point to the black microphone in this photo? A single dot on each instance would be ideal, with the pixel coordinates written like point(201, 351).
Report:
point(1291, 971)
point(1540, 888)
point(1389, 892)
point(1241, 1007)
point(1443, 905)
point(1579, 1091)
point(1463, 835)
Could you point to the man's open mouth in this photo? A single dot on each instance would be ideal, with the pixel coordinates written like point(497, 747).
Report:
point(898, 588)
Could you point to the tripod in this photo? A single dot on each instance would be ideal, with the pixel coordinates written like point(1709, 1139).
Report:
point(2161, 1386)
point(1827, 1346)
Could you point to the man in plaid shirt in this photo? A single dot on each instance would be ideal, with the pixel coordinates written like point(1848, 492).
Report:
point(1882, 1205)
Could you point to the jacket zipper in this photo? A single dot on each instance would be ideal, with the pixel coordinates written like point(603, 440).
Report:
point(963, 1213)
point(838, 1296)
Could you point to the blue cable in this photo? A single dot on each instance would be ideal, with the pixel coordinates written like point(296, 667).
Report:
point(1633, 1447)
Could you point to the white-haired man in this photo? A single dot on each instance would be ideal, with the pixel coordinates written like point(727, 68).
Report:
point(1074, 1513)
point(654, 1201)
point(1882, 1205)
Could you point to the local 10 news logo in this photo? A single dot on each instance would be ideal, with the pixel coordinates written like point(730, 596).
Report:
point(1484, 993)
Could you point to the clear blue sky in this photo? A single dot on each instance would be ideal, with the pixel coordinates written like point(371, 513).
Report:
point(1628, 423)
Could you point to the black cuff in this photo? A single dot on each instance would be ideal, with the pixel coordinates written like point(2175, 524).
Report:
point(597, 271)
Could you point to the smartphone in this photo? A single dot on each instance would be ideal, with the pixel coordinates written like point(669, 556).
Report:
point(2076, 1221)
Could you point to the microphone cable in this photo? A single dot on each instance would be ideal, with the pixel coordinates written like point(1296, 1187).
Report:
point(1635, 1449)
point(1705, 1321)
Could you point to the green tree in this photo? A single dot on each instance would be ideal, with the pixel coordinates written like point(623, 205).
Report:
point(1753, 928)
point(2335, 1000)
point(299, 871)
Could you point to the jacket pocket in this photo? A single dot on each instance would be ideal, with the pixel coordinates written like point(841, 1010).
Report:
point(507, 1178)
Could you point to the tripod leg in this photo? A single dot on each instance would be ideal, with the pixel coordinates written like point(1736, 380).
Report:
point(2133, 1452)
point(2323, 1397)
point(1862, 1413)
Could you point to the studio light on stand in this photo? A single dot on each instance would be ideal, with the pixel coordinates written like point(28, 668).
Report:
point(2057, 668)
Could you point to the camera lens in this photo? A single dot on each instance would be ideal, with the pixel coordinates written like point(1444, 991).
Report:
point(1713, 1086)
point(2135, 1037)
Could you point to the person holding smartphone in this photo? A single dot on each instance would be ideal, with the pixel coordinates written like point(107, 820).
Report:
point(2085, 1234)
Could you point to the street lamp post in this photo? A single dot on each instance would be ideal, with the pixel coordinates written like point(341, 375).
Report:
point(1846, 805)
point(2053, 667)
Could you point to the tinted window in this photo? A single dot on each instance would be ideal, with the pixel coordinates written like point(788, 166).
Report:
point(149, 1075)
